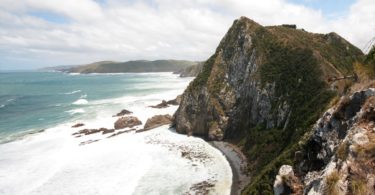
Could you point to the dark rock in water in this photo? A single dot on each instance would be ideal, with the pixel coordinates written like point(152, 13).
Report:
point(87, 131)
point(123, 112)
point(92, 131)
point(175, 101)
point(157, 121)
point(128, 121)
point(121, 132)
point(163, 104)
point(78, 125)
point(105, 131)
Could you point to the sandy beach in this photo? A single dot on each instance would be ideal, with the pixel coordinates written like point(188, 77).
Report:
point(238, 163)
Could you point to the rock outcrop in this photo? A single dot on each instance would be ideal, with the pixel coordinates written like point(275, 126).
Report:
point(245, 84)
point(92, 131)
point(123, 112)
point(157, 121)
point(127, 122)
point(78, 125)
point(339, 157)
point(263, 88)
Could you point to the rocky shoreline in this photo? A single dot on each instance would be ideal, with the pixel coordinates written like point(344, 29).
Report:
point(238, 163)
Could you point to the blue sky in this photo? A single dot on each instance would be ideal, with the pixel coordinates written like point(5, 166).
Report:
point(330, 8)
point(35, 34)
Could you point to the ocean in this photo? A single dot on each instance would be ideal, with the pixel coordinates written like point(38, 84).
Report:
point(39, 154)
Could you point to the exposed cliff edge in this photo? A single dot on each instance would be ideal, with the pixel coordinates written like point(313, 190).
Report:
point(263, 89)
point(339, 156)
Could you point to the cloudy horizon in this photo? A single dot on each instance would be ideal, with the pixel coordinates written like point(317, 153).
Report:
point(35, 34)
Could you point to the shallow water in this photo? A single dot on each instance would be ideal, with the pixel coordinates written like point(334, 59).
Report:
point(55, 162)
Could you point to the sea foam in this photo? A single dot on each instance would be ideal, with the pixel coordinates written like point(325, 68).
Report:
point(80, 102)
point(55, 162)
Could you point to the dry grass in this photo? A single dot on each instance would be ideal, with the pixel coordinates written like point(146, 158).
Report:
point(358, 187)
point(343, 151)
point(331, 184)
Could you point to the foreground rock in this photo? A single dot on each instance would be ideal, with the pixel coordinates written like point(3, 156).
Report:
point(123, 112)
point(157, 121)
point(286, 182)
point(127, 122)
point(78, 125)
point(339, 157)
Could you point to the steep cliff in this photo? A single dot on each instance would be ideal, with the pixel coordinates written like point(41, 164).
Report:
point(263, 89)
point(339, 156)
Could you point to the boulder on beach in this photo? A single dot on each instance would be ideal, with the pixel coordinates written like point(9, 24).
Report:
point(157, 121)
point(163, 104)
point(175, 101)
point(128, 121)
point(87, 131)
point(105, 130)
point(123, 112)
point(78, 125)
point(92, 131)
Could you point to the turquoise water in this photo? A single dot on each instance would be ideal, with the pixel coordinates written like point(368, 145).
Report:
point(32, 101)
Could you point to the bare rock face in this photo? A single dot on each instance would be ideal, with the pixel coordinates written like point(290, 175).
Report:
point(127, 122)
point(236, 88)
point(123, 112)
point(286, 182)
point(157, 121)
point(339, 156)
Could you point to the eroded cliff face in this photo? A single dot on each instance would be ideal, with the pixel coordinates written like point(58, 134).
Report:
point(233, 92)
point(339, 156)
point(263, 89)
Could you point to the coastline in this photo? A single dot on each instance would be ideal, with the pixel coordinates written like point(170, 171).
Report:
point(238, 163)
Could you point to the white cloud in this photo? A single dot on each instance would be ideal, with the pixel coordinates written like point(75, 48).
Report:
point(118, 30)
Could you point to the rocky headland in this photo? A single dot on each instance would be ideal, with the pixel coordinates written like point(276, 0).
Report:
point(263, 90)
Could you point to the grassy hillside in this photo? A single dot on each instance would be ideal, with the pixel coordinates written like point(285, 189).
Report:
point(133, 66)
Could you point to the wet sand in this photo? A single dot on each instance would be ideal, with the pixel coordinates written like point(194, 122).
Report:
point(238, 163)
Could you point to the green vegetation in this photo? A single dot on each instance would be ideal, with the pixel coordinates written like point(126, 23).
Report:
point(202, 77)
point(336, 51)
point(297, 78)
point(133, 66)
point(297, 63)
point(370, 58)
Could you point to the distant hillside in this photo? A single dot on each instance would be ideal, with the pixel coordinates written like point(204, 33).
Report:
point(132, 66)
point(191, 71)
